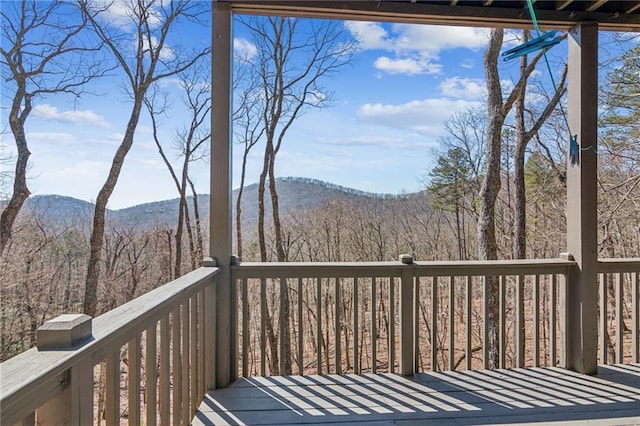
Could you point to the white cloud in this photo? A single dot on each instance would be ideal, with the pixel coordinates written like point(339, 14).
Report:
point(63, 138)
point(78, 117)
point(374, 141)
point(468, 63)
point(370, 35)
point(467, 88)
point(166, 53)
point(408, 66)
point(244, 49)
point(416, 47)
point(425, 116)
point(121, 13)
point(435, 38)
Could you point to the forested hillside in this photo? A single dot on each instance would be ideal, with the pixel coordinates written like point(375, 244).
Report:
point(494, 188)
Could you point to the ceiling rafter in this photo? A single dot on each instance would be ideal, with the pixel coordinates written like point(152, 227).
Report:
point(560, 5)
point(595, 5)
point(631, 7)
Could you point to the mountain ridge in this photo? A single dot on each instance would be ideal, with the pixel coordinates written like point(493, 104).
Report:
point(294, 194)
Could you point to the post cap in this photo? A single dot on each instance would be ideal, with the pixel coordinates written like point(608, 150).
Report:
point(407, 259)
point(567, 256)
point(209, 262)
point(63, 332)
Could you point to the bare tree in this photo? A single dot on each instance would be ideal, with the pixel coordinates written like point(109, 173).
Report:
point(248, 128)
point(497, 109)
point(189, 142)
point(523, 137)
point(44, 53)
point(292, 60)
point(153, 58)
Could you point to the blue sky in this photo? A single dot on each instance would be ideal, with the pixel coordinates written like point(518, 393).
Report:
point(380, 135)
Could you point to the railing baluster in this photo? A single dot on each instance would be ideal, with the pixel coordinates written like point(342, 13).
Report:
point(245, 329)
point(134, 381)
point(485, 322)
point(186, 409)
point(519, 332)
point(619, 319)
point(535, 310)
point(338, 354)
point(28, 420)
point(603, 320)
point(319, 325)
point(150, 375)
point(552, 321)
point(452, 311)
point(201, 346)
point(564, 320)
point(176, 364)
point(193, 351)
point(468, 319)
point(165, 368)
point(416, 324)
point(392, 329)
point(502, 321)
point(263, 326)
point(434, 323)
point(210, 312)
point(407, 319)
point(635, 326)
point(112, 388)
point(300, 331)
point(282, 325)
point(356, 328)
point(374, 326)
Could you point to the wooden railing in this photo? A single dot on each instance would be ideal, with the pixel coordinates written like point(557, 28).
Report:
point(398, 317)
point(162, 343)
point(619, 322)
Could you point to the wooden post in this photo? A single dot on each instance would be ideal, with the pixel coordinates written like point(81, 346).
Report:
point(221, 200)
point(407, 357)
point(582, 198)
point(565, 340)
point(74, 405)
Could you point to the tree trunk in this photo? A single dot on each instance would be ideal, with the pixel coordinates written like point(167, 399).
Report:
point(97, 232)
point(198, 222)
point(20, 190)
point(487, 247)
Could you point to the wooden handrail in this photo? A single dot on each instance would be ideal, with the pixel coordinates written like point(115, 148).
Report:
point(375, 269)
point(631, 264)
point(33, 377)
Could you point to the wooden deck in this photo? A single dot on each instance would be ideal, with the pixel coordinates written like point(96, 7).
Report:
point(527, 395)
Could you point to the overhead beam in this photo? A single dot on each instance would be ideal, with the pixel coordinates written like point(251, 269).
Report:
point(497, 15)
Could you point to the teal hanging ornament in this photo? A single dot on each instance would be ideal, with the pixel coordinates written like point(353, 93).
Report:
point(574, 151)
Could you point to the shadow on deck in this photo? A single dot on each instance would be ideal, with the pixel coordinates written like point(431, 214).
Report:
point(524, 395)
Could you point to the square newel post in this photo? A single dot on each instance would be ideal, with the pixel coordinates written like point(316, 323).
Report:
point(73, 405)
point(407, 321)
point(221, 200)
point(582, 226)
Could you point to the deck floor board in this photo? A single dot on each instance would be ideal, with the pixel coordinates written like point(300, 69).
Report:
point(515, 396)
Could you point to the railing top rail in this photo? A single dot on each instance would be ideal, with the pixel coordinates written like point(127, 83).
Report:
point(41, 374)
point(381, 269)
point(629, 264)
